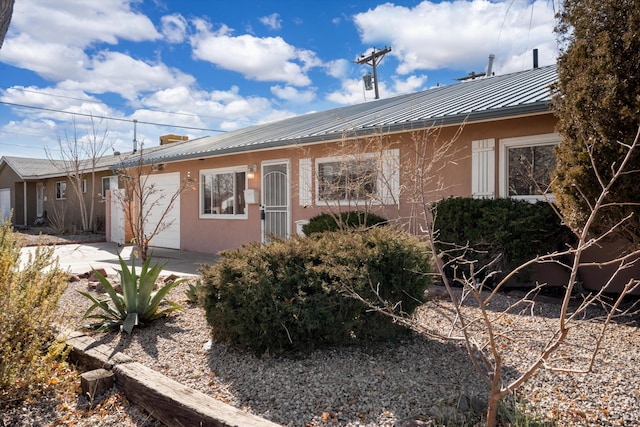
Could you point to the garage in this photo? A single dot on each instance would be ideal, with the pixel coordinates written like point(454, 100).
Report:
point(161, 188)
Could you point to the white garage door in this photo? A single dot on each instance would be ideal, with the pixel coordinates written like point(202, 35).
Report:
point(162, 187)
point(5, 203)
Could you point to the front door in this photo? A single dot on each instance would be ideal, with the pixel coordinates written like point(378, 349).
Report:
point(275, 200)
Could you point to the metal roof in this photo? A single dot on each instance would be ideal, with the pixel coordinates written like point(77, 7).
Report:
point(487, 98)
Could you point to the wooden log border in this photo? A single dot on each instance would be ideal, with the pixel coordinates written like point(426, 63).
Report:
point(166, 400)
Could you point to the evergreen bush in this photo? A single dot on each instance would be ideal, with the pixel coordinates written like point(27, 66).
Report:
point(289, 295)
point(515, 230)
point(28, 298)
point(343, 221)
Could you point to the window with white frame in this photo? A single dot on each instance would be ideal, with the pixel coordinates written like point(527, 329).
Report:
point(526, 166)
point(109, 183)
point(61, 190)
point(345, 180)
point(222, 193)
point(84, 185)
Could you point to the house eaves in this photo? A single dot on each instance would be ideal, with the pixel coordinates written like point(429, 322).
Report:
point(518, 94)
point(32, 169)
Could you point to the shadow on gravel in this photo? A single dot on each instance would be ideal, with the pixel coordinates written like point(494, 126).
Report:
point(121, 341)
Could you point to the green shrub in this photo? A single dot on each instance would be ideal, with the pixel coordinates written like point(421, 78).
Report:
point(28, 298)
point(343, 221)
point(192, 293)
point(138, 303)
point(515, 230)
point(289, 295)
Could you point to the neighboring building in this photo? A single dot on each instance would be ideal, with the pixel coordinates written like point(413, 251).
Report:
point(39, 190)
point(268, 179)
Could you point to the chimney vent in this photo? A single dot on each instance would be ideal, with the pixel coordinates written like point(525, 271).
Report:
point(490, 65)
point(535, 58)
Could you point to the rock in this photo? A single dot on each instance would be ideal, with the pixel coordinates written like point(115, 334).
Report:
point(74, 278)
point(171, 278)
point(92, 276)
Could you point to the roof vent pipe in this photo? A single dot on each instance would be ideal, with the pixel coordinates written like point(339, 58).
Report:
point(490, 65)
point(135, 132)
point(535, 58)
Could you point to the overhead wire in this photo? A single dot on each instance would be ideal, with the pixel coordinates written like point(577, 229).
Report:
point(120, 119)
point(37, 92)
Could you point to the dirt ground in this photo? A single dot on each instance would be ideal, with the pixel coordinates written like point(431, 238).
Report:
point(32, 236)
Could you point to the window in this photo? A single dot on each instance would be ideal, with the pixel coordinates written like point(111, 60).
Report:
point(222, 193)
point(109, 183)
point(347, 180)
point(84, 185)
point(526, 165)
point(61, 190)
point(370, 178)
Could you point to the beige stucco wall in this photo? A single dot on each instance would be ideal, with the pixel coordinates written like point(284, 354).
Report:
point(69, 206)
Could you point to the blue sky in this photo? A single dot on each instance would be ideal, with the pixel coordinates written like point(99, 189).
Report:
point(199, 67)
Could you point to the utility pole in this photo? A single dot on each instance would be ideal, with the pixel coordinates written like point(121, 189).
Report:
point(373, 60)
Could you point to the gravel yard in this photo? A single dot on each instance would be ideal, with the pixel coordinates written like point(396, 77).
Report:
point(391, 384)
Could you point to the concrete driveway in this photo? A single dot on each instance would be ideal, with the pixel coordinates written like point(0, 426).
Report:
point(80, 258)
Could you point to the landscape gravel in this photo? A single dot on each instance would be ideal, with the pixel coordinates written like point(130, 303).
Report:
point(413, 382)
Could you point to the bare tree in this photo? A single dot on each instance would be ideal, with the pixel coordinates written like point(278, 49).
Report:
point(78, 157)
point(495, 333)
point(146, 206)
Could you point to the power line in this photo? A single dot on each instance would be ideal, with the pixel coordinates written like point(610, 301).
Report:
point(37, 92)
point(119, 119)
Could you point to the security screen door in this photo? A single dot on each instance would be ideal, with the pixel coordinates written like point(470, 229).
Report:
point(275, 200)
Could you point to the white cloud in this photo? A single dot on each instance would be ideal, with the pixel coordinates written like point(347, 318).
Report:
point(409, 84)
point(262, 59)
point(50, 60)
point(80, 23)
point(293, 95)
point(456, 34)
point(273, 21)
point(174, 28)
point(339, 68)
point(50, 38)
point(209, 108)
point(54, 98)
point(351, 92)
point(104, 75)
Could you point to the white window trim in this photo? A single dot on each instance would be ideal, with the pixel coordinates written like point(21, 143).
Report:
point(65, 190)
point(377, 200)
point(232, 169)
point(524, 141)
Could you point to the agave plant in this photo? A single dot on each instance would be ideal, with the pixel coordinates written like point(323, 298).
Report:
point(137, 303)
point(192, 292)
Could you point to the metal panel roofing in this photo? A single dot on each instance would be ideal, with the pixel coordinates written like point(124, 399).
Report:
point(488, 98)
